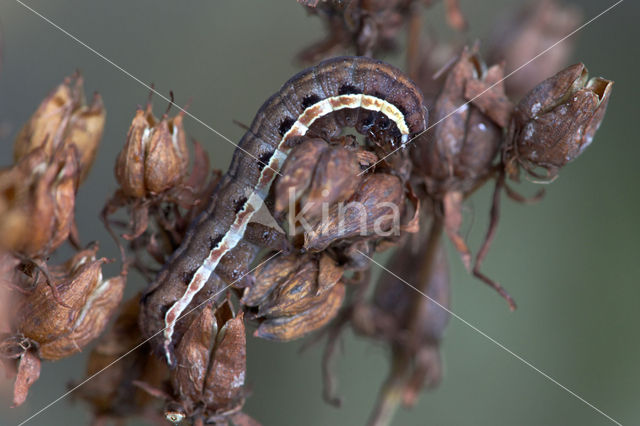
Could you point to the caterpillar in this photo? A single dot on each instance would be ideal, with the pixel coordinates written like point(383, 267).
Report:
point(371, 96)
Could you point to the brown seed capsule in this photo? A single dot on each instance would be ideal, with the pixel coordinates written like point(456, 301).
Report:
point(58, 330)
point(37, 198)
point(295, 294)
point(155, 156)
point(49, 122)
point(294, 327)
point(556, 121)
point(211, 363)
point(531, 30)
point(335, 178)
point(465, 140)
point(297, 172)
point(374, 210)
point(64, 119)
point(85, 132)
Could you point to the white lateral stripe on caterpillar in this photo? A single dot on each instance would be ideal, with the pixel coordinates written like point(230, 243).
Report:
point(236, 232)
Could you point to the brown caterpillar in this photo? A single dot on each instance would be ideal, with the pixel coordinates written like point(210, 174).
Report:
point(369, 95)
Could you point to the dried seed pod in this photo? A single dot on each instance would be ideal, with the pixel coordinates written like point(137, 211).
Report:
point(287, 285)
point(556, 121)
point(316, 176)
point(374, 210)
point(48, 124)
point(85, 132)
point(211, 362)
point(37, 198)
point(527, 32)
point(294, 327)
point(335, 178)
point(297, 172)
point(64, 119)
point(460, 149)
point(155, 156)
point(295, 294)
point(89, 301)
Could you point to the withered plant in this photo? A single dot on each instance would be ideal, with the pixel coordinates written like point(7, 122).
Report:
point(304, 264)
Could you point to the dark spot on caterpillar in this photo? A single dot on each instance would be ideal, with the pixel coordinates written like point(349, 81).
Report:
point(188, 275)
point(379, 95)
point(214, 241)
point(285, 125)
point(384, 122)
point(164, 309)
point(264, 158)
point(310, 100)
point(347, 89)
point(368, 121)
point(239, 204)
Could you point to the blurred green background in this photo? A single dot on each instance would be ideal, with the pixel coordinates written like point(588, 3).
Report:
point(571, 261)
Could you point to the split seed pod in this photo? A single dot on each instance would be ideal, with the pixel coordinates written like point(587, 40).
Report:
point(461, 148)
point(295, 295)
point(37, 198)
point(374, 210)
point(64, 119)
point(211, 363)
point(556, 121)
point(315, 176)
point(155, 156)
point(60, 331)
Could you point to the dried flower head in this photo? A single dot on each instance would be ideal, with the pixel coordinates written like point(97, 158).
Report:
point(556, 121)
